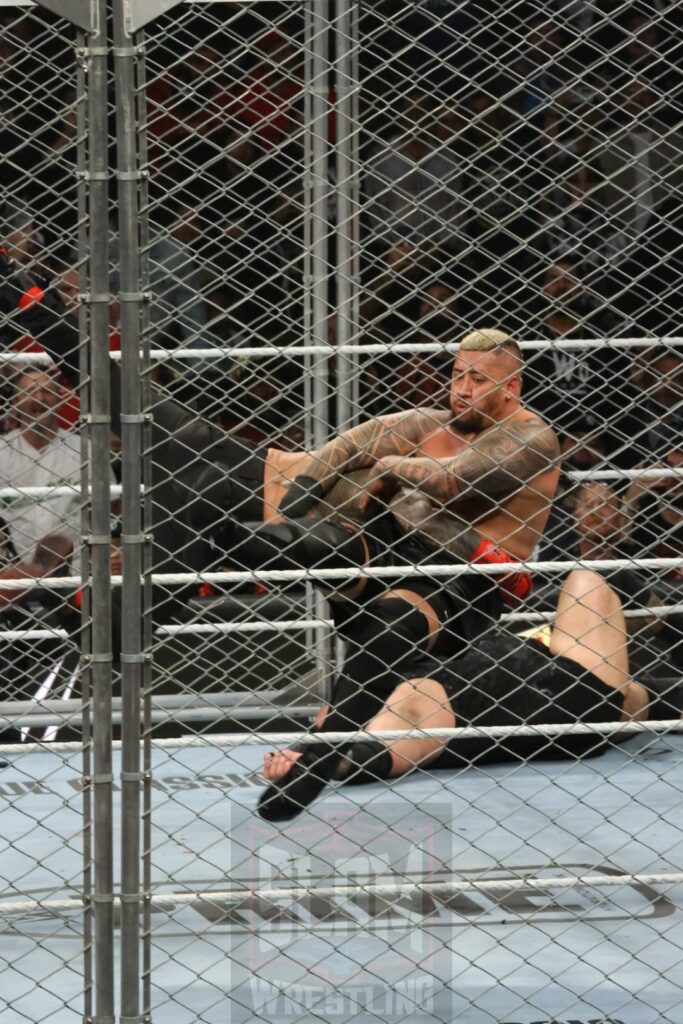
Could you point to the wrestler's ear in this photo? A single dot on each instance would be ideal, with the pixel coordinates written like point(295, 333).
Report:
point(513, 386)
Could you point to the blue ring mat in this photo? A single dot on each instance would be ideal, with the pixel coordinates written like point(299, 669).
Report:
point(580, 955)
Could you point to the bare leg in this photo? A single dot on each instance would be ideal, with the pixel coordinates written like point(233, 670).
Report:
point(590, 629)
point(418, 703)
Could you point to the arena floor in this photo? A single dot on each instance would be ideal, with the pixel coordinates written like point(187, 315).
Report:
point(339, 948)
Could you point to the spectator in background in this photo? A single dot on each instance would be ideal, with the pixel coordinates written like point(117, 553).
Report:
point(582, 448)
point(563, 383)
point(187, 106)
point(38, 453)
point(655, 507)
point(658, 377)
point(641, 161)
point(269, 97)
point(575, 218)
point(600, 522)
point(54, 191)
point(23, 240)
point(256, 238)
point(178, 276)
point(498, 182)
point(422, 378)
point(413, 183)
point(653, 51)
point(543, 66)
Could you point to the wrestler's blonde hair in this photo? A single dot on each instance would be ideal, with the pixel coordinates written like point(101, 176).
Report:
point(490, 339)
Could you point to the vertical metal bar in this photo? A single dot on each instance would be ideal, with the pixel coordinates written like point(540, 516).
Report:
point(319, 213)
point(131, 479)
point(85, 631)
point(348, 185)
point(316, 275)
point(148, 626)
point(100, 542)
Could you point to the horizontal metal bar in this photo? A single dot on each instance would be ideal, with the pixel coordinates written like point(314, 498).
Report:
point(269, 698)
point(209, 628)
point(245, 713)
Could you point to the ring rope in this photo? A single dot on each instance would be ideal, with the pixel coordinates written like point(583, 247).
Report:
point(160, 901)
point(222, 741)
point(381, 572)
point(54, 491)
point(577, 475)
point(377, 348)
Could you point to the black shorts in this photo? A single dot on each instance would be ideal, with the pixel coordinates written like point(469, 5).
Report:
point(507, 680)
point(468, 605)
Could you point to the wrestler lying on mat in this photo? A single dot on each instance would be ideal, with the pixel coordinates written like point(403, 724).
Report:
point(576, 671)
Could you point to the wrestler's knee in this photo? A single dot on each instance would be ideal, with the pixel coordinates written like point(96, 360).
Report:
point(410, 598)
point(416, 699)
point(636, 701)
point(585, 583)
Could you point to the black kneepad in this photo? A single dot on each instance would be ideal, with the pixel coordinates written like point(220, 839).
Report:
point(385, 640)
point(369, 761)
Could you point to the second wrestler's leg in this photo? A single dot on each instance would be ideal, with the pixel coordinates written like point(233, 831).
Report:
point(383, 641)
point(591, 630)
point(418, 703)
point(415, 704)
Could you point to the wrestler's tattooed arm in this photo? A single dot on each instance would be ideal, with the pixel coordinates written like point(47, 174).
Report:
point(358, 496)
point(496, 464)
point(362, 446)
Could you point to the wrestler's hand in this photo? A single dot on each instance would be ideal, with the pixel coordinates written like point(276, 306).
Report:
point(359, 495)
point(303, 494)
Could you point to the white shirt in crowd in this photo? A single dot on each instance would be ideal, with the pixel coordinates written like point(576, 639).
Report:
point(29, 519)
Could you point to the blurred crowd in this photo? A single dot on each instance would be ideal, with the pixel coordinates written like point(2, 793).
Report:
point(520, 169)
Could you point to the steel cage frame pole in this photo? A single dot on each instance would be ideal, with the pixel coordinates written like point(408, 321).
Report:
point(348, 200)
point(132, 653)
point(316, 276)
point(86, 625)
point(99, 421)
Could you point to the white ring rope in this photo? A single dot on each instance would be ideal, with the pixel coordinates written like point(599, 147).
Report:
point(53, 491)
point(161, 901)
point(280, 739)
point(378, 348)
point(577, 475)
point(274, 626)
point(381, 572)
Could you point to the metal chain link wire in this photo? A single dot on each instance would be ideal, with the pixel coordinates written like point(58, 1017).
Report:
point(392, 174)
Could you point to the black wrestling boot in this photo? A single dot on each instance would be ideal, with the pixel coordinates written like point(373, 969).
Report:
point(317, 766)
point(300, 544)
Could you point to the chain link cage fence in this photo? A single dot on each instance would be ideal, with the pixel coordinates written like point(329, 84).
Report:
point(263, 252)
